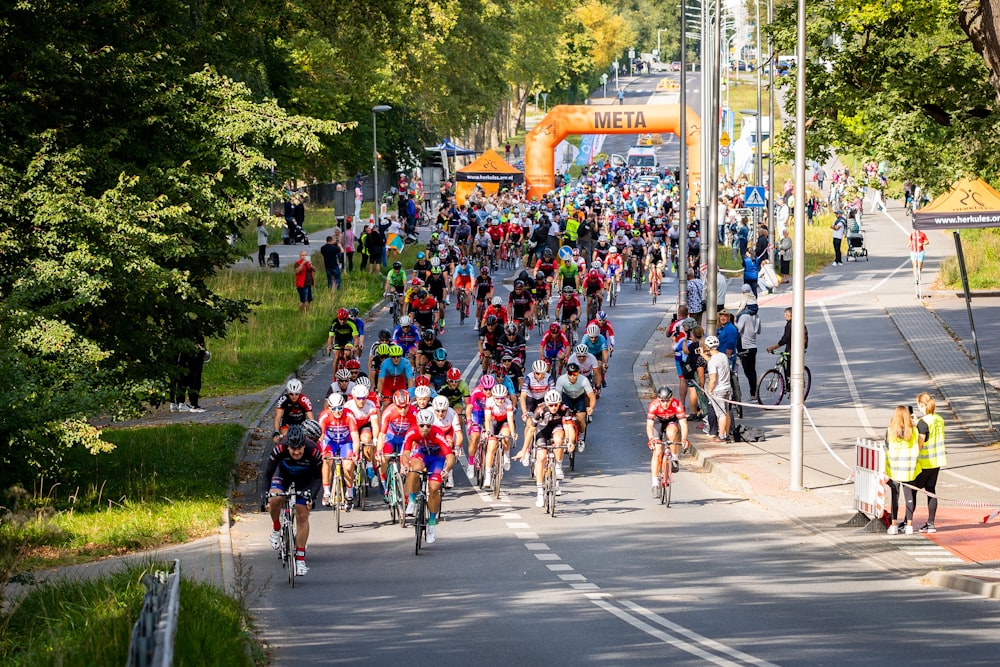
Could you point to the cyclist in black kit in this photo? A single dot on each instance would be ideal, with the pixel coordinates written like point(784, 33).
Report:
point(295, 459)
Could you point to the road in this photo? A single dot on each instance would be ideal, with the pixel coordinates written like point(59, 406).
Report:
point(616, 578)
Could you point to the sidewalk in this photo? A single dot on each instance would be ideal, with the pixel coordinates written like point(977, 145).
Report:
point(965, 553)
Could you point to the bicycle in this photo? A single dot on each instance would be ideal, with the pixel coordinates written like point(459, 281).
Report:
point(665, 474)
point(581, 443)
point(360, 483)
point(593, 305)
point(288, 530)
point(394, 491)
point(463, 306)
point(394, 308)
point(774, 383)
point(613, 290)
point(550, 484)
point(498, 466)
point(420, 513)
point(338, 492)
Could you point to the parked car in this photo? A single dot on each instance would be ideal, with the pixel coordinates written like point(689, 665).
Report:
point(675, 66)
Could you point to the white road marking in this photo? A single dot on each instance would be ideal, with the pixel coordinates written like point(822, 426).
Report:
point(851, 387)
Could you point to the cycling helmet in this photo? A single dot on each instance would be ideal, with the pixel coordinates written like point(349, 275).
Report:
point(436, 269)
point(359, 391)
point(353, 312)
point(498, 391)
point(613, 250)
point(511, 328)
point(427, 334)
point(294, 437)
point(363, 381)
point(581, 349)
point(353, 365)
point(554, 328)
point(664, 393)
point(491, 320)
point(500, 371)
point(422, 381)
point(335, 401)
point(711, 342)
point(416, 282)
point(594, 273)
point(425, 418)
point(547, 253)
point(484, 270)
point(440, 354)
point(343, 375)
point(572, 367)
point(384, 335)
point(596, 264)
point(294, 386)
point(688, 323)
point(518, 284)
point(421, 293)
point(397, 265)
point(311, 429)
point(395, 351)
point(636, 233)
point(401, 398)
point(540, 366)
point(593, 330)
point(383, 349)
point(422, 392)
point(487, 382)
point(435, 262)
point(404, 321)
point(342, 314)
point(420, 255)
point(553, 397)
point(497, 301)
point(601, 316)
point(440, 403)
point(454, 374)
point(568, 289)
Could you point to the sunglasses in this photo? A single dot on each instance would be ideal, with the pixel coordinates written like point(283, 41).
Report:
point(340, 409)
point(572, 374)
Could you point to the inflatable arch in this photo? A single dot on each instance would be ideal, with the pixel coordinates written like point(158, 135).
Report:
point(563, 120)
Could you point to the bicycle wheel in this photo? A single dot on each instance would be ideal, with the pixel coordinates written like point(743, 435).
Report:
point(290, 551)
point(400, 499)
point(550, 490)
point(419, 522)
point(338, 500)
point(807, 380)
point(668, 479)
point(497, 471)
point(653, 288)
point(771, 388)
point(477, 464)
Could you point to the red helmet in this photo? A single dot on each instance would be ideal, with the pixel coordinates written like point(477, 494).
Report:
point(416, 281)
point(554, 328)
point(422, 381)
point(401, 398)
point(342, 314)
point(594, 273)
point(454, 374)
point(500, 371)
point(353, 365)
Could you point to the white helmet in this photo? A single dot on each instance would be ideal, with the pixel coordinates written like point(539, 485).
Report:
point(540, 366)
point(711, 342)
point(440, 403)
point(581, 349)
point(497, 301)
point(499, 391)
point(359, 391)
point(552, 397)
point(613, 250)
point(335, 400)
point(404, 321)
point(593, 330)
point(294, 386)
point(435, 261)
point(596, 264)
point(422, 392)
point(363, 381)
point(425, 418)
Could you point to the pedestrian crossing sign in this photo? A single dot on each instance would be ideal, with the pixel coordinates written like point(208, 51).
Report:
point(754, 197)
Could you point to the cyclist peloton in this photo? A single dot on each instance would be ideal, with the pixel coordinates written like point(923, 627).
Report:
point(665, 417)
point(294, 460)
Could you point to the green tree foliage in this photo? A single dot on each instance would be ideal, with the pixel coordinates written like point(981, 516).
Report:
point(894, 81)
point(129, 160)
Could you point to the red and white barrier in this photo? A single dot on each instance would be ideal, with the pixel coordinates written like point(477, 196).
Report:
point(869, 477)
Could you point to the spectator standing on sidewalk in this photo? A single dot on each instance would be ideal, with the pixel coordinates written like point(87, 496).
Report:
point(785, 255)
point(695, 295)
point(261, 243)
point(902, 455)
point(721, 284)
point(839, 228)
point(718, 389)
point(349, 243)
point(374, 244)
point(187, 382)
point(750, 271)
point(333, 260)
point(930, 435)
point(748, 326)
point(359, 194)
point(304, 279)
point(820, 178)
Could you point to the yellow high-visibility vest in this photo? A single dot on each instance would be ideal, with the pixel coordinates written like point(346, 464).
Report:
point(902, 457)
point(932, 454)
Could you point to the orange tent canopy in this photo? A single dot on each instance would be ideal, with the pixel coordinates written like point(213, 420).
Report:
point(489, 171)
point(968, 204)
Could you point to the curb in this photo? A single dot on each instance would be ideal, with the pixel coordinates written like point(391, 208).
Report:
point(987, 587)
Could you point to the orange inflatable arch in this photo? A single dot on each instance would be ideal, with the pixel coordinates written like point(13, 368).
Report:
point(565, 119)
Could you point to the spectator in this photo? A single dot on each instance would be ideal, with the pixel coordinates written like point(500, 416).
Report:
point(743, 236)
point(902, 456)
point(721, 284)
point(261, 243)
point(839, 228)
point(748, 326)
point(719, 389)
point(359, 194)
point(729, 337)
point(363, 247)
point(304, 279)
point(785, 255)
point(695, 295)
point(930, 435)
point(349, 243)
point(750, 272)
point(763, 243)
point(333, 260)
point(187, 381)
point(375, 244)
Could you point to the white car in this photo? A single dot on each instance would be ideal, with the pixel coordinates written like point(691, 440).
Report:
point(657, 66)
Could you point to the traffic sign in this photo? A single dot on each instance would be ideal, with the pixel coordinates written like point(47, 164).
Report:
point(724, 151)
point(724, 139)
point(754, 197)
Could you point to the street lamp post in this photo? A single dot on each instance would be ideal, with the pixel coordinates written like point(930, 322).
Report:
point(604, 82)
point(377, 109)
point(545, 102)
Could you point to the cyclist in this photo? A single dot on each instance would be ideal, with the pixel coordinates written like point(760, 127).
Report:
point(615, 265)
point(657, 258)
point(547, 265)
point(395, 373)
point(918, 240)
point(786, 339)
point(605, 328)
point(664, 418)
point(353, 366)
point(406, 336)
point(397, 419)
point(481, 246)
point(569, 273)
point(437, 287)
point(475, 412)
point(484, 291)
point(343, 334)
point(593, 285)
point(498, 421)
point(428, 345)
point(293, 408)
point(456, 391)
point(554, 346)
point(341, 385)
point(462, 284)
point(549, 425)
point(294, 460)
point(376, 355)
point(446, 419)
point(425, 448)
point(589, 365)
point(421, 267)
point(602, 249)
point(395, 280)
point(438, 369)
point(533, 390)
point(359, 322)
point(423, 308)
point(340, 438)
point(366, 416)
point(489, 340)
point(637, 254)
point(578, 395)
point(497, 310)
point(522, 307)
point(568, 311)
point(597, 345)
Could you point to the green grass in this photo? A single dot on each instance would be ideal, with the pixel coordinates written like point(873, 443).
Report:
point(981, 248)
point(85, 623)
point(276, 339)
point(159, 485)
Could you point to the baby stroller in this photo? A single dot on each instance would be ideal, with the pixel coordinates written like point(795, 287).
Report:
point(293, 234)
point(856, 241)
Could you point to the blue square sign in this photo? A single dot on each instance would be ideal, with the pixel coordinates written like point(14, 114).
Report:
point(754, 197)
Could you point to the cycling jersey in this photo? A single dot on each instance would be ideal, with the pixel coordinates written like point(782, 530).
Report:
point(421, 268)
point(568, 272)
point(438, 372)
point(498, 312)
point(596, 346)
point(342, 333)
point(294, 412)
point(498, 409)
point(484, 285)
point(514, 347)
point(395, 375)
point(282, 470)
point(431, 449)
point(456, 394)
point(573, 389)
point(533, 387)
point(436, 285)
point(496, 233)
point(552, 345)
point(363, 413)
point(339, 433)
point(569, 305)
point(601, 250)
point(406, 337)
point(614, 265)
point(593, 284)
point(449, 425)
point(397, 279)
point(547, 268)
point(423, 311)
point(607, 330)
point(548, 422)
point(520, 303)
point(396, 423)
point(588, 364)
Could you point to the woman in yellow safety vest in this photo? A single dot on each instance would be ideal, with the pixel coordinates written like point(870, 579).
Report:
point(902, 464)
point(930, 429)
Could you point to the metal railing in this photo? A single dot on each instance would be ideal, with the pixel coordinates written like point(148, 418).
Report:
point(153, 633)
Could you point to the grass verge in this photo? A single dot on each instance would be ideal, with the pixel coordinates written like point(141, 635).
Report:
point(981, 248)
point(84, 623)
point(159, 485)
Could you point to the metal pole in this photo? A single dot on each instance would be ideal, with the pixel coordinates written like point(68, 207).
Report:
point(771, 228)
point(706, 136)
point(711, 239)
point(972, 325)
point(799, 263)
point(682, 221)
point(375, 172)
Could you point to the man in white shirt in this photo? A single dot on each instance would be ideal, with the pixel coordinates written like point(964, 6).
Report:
point(719, 389)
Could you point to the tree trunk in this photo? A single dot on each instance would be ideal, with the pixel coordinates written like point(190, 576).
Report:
point(979, 20)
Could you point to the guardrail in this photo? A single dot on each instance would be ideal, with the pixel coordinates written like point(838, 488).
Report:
point(153, 633)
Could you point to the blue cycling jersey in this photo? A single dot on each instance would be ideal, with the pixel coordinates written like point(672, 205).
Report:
point(595, 345)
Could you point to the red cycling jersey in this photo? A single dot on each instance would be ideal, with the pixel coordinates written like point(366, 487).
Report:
point(673, 410)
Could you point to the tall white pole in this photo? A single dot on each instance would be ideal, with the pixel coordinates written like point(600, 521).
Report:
point(799, 260)
point(375, 172)
point(682, 220)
